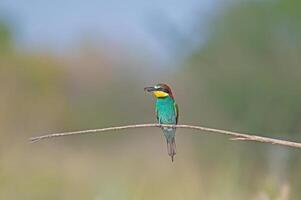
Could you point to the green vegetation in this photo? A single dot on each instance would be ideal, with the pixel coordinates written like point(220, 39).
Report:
point(245, 78)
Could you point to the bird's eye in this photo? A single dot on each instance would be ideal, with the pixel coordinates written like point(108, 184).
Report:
point(157, 87)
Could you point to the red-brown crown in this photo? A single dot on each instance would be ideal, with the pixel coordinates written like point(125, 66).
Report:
point(164, 87)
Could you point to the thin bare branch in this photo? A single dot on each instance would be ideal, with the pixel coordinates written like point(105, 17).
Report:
point(235, 135)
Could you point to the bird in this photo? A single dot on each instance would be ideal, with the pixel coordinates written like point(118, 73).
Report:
point(167, 112)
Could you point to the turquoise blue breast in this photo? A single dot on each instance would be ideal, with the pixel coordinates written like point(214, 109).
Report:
point(166, 110)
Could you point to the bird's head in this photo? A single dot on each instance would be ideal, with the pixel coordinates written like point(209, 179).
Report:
point(160, 90)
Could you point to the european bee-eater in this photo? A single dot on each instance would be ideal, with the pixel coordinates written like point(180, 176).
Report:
point(167, 112)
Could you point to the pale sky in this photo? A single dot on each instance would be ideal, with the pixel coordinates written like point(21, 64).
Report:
point(151, 25)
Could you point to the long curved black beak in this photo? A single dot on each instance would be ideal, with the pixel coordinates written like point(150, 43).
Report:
point(149, 89)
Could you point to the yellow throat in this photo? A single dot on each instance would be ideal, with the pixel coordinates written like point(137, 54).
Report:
point(159, 94)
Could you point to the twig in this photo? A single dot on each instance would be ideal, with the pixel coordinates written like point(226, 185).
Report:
point(235, 135)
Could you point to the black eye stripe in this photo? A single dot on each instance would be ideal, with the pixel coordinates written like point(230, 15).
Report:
point(163, 90)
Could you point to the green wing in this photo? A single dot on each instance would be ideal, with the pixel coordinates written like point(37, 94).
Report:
point(177, 112)
point(157, 115)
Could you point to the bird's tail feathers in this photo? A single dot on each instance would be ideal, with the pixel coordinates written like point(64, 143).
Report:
point(171, 148)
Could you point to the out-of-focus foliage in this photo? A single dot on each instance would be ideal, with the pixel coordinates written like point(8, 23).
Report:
point(245, 78)
point(250, 72)
point(5, 37)
point(251, 65)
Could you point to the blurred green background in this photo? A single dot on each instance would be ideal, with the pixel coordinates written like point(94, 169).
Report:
point(239, 69)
